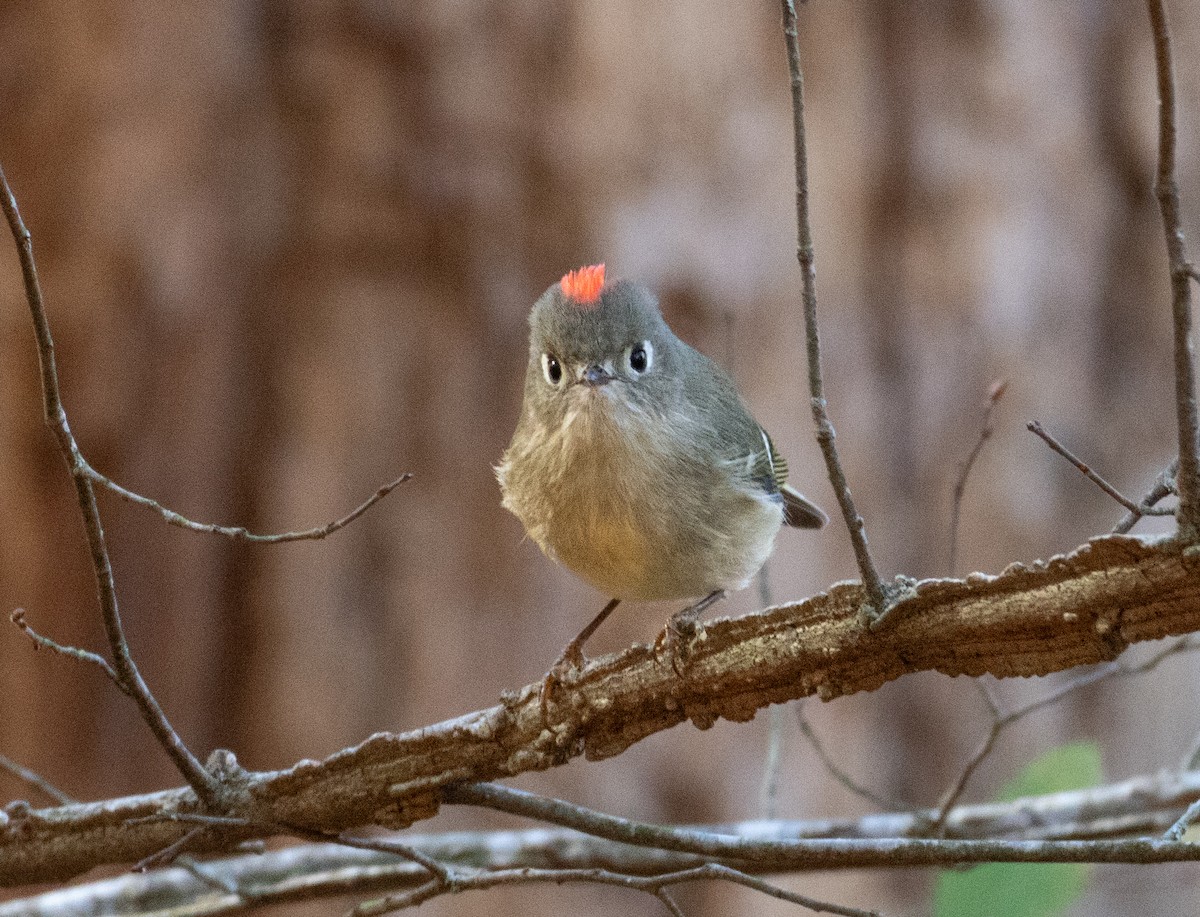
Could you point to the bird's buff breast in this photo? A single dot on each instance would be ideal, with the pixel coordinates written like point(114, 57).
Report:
point(634, 522)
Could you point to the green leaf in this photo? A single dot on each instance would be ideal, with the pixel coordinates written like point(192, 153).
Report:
point(1074, 766)
point(1026, 889)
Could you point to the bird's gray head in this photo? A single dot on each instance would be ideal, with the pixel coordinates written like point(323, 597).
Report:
point(602, 346)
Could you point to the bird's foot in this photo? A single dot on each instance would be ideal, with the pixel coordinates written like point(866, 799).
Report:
point(684, 631)
point(564, 669)
point(677, 640)
point(571, 660)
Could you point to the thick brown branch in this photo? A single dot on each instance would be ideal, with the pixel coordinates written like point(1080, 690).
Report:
point(1031, 620)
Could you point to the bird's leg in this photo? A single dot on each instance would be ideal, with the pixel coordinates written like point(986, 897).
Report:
point(572, 657)
point(682, 628)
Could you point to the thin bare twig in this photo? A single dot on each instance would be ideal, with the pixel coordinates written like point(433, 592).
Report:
point(1164, 486)
point(1179, 829)
point(876, 594)
point(1036, 428)
point(192, 818)
point(669, 903)
point(823, 853)
point(475, 880)
point(414, 898)
point(35, 780)
point(238, 532)
point(837, 773)
point(55, 416)
point(960, 486)
point(1166, 188)
point(954, 792)
point(438, 871)
point(728, 874)
point(381, 844)
point(202, 825)
point(74, 652)
point(597, 824)
point(170, 853)
point(1001, 722)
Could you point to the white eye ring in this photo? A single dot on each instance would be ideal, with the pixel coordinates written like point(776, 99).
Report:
point(552, 369)
point(639, 358)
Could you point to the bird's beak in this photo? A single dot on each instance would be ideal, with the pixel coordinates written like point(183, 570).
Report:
point(595, 376)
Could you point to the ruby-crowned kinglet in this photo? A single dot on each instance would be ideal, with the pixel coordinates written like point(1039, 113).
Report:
point(635, 462)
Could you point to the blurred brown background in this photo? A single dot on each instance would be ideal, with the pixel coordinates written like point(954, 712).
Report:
point(288, 248)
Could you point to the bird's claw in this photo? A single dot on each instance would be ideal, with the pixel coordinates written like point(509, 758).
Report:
point(567, 666)
point(676, 642)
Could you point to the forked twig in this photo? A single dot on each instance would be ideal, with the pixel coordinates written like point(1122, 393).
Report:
point(472, 880)
point(238, 532)
point(74, 652)
point(1164, 486)
point(123, 671)
point(446, 880)
point(167, 855)
point(55, 416)
point(1036, 428)
point(1000, 722)
point(1179, 829)
point(876, 594)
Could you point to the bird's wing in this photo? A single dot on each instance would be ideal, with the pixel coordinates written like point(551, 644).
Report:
point(744, 444)
point(771, 468)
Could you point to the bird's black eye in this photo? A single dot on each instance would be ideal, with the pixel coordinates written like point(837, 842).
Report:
point(552, 368)
point(640, 357)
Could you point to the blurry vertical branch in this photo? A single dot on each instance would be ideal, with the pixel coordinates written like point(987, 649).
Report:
point(1166, 187)
point(128, 677)
point(808, 274)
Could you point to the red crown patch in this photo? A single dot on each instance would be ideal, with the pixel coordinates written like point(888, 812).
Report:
point(584, 285)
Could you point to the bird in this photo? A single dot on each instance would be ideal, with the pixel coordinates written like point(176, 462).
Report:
point(635, 463)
